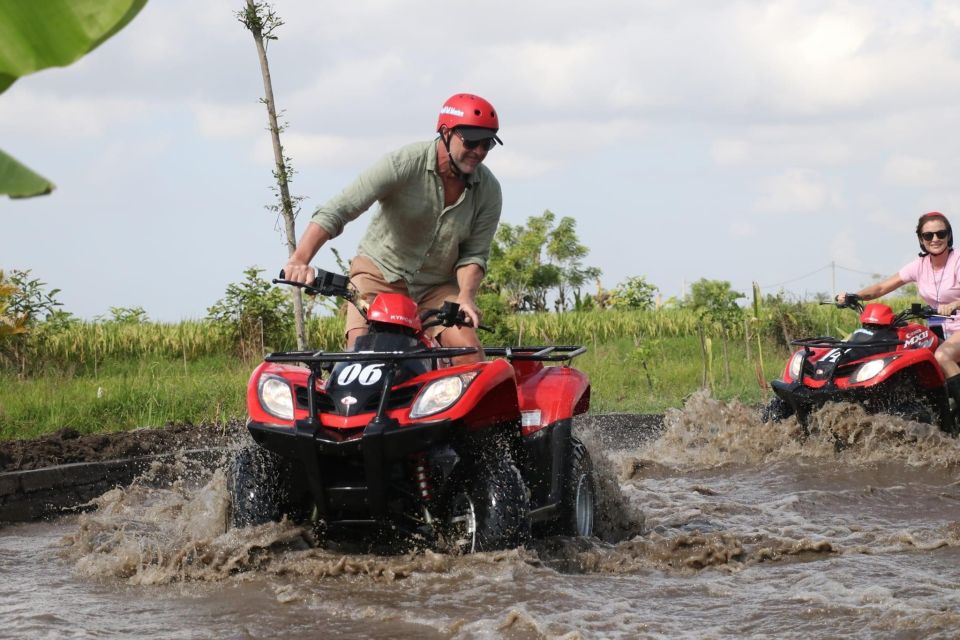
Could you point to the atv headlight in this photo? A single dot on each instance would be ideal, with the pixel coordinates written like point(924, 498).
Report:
point(441, 394)
point(276, 397)
point(870, 369)
point(796, 365)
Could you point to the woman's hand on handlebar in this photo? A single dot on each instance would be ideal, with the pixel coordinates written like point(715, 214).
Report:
point(845, 299)
point(948, 308)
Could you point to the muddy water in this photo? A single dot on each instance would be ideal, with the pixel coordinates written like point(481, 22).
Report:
point(748, 530)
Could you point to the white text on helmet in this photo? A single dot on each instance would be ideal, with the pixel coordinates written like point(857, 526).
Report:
point(451, 111)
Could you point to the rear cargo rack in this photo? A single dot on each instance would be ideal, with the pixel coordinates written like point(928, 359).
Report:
point(546, 354)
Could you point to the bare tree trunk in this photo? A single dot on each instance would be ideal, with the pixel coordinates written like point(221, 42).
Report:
point(257, 22)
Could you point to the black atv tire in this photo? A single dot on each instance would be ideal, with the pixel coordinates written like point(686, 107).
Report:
point(579, 500)
point(484, 506)
point(257, 487)
point(776, 410)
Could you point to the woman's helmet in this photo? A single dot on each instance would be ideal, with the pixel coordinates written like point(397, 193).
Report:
point(927, 217)
point(468, 110)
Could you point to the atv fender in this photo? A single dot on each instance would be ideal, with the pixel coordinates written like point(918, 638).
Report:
point(559, 393)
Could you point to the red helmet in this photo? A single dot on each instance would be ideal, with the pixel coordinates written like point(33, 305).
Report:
point(877, 314)
point(468, 110)
point(394, 308)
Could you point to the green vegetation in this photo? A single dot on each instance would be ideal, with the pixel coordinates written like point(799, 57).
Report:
point(124, 395)
point(110, 375)
point(124, 371)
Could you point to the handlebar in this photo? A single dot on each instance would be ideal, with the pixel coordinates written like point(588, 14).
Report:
point(915, 310)
point(333, 284)
point(449, 315)
point(324, 284)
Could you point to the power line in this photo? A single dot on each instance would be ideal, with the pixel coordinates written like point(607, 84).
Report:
point(832, 265)
point(778, 284)
point(860, 272)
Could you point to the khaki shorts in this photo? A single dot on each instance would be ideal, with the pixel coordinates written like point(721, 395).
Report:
point(369, 281)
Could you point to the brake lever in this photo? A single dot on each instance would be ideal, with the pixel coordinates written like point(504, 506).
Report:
point(308, 289)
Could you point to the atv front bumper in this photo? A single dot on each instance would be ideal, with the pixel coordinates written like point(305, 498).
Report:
point(805, 400)
point(375, 449)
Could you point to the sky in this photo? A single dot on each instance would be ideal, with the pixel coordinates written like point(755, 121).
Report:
point(788, 143)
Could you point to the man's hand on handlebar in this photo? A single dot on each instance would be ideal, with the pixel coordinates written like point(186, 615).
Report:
point(301, 272)
point(470, 312)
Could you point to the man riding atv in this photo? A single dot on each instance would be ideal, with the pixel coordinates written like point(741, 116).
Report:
point(439, 207)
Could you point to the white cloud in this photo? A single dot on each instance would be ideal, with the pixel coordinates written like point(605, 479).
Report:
point(794, 191)
point(742, 229)
point(328, 151)
point(230, 121)
point(727, 152)
point(910, 171)
point(48, 116)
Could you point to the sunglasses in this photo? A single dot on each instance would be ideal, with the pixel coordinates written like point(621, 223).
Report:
point(485, 143)
point(943, 234)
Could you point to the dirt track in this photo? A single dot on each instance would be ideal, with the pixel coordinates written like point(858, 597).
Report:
point(67, 445)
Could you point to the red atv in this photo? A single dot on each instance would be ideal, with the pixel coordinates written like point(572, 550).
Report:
point(887, 365)
point(392, 440)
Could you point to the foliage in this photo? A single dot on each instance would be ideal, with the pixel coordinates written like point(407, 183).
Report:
point(30, 299)
point(716, 302)
point(253, 313)
point(128, 315)
point(634, 293)
point(11, 324)
point(52, 33)
point(528, 262)
point(29, 306)
point(125, 394)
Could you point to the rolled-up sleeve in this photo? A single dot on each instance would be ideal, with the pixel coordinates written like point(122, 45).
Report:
point(371, 185)
point(475, 249)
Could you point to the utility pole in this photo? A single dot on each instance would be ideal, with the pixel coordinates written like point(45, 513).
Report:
point(833, 277)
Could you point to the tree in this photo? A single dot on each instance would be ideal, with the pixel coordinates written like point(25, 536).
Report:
point(35, 35)
point(716, 302)
point(634, 293)
point(253, 313)
point(28, 312)
point(529, 261)
point(566, 253)
point(128, 315)
point(261, 20)
point(11, 324)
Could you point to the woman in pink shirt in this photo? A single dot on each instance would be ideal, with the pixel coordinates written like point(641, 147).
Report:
point(938, 282)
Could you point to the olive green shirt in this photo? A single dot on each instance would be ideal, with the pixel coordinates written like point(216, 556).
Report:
point(412, 237)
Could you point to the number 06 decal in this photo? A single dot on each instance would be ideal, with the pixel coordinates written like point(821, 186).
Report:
point(365, 375)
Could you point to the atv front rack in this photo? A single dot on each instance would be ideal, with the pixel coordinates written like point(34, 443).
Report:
point(310, 357)
point(835, 343)
point(545, 354)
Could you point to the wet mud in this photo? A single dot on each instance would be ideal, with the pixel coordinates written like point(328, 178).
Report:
point(68, 445)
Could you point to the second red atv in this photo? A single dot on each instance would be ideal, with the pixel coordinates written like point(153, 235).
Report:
point(887, 366)
point(390, 439)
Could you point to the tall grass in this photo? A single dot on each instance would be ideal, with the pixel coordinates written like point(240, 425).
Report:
point(124, 395)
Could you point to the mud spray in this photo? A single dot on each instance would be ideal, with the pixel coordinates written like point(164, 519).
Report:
point(720, 526)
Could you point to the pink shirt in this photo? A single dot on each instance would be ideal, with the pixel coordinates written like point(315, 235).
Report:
point(936, 287)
